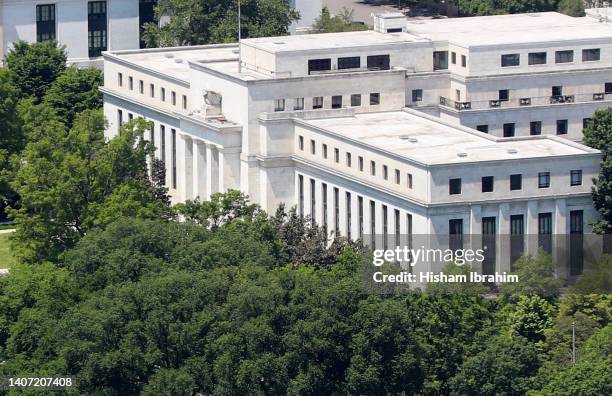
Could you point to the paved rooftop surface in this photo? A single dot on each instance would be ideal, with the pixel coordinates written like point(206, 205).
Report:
point(434, 143)
point(511, 29)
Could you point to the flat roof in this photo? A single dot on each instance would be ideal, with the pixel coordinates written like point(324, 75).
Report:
point(431, 142)
point(327, 41)
point(510, 29)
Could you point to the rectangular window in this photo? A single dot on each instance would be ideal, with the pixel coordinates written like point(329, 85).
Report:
point(319, 65)
point(317, 102)
point(298, 104)
point(576, 242)
point(337, 211)
point(398, 176)
point(378, 62)
point(537, 58)
point(557, 90)
point(337, 155)
point(336, 102)
point(351, 62)
point(545, 231)
point(141, 87)
point(516, 182)
point(608, 88)
point(561, 127)
point(410, 180)
point(373, 168)
point(120, 79)
point(510, 60)
point(417, 95)
point(360, 163)
point(454, 58)
point(130, 116)
point(440, 60)
point(454, 186)
point(152, 90)
point(455, 234)
point(348, 215)
point(355, 100)
point(45, 22)
point(97, 27)
point(119, 118)
point(313, 203)
point(586, 122)
point(576, 177)
point(325, 151)
point(373, 224)
point(173, 158)
point(564, 56)
point(312, 147)
point(360, 210)
point(543, 179)
point(517, 237)
point(146, 14)
point(463, 61)
point(301, 142)
point(509, 129)
point(504, 94)
point(482, 128)
point(487, 184)
point(374, 99)
point(162, 132)
point(301, 195)
point(409, 235)
point(385, 172)
point(349, 160)
point(152, 132)
point(162, 94)
point(131, 83)
point(324, 196)
point(173, 98)
point(591, 54)
point(184, 102)
point(385, 215)
point(279, 104)
point(489, 244)
point(535, 128)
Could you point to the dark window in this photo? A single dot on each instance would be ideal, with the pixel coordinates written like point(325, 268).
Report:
point(576, 241)
point(301, 142)
point(455, 234)
point(557, 90)
point(409, 180)
point(317, 102)
point(324, 196)
point(360, 163)
point(537, 58)
point(146, 13)
point(337, 211)
point(417, 95)
point(509, 129)
point(545, 231)
point(510, 60)
point(373, 224)
point(152, 90)
point(385, 172)
point(564, 56)
point(373, 168)
point(352, 62)
point(374, 99)
point(131, 83)
point(313, 200)
point(119, 118)
point(162, 132)
point(313, 149)
point(543, 179)
point(586, 122)
point(120, 79)
point(489, 244)
point(336, 102)
point(325, 151)
point(482, 128)
point(591, 54)
point(394, 30)
point(398, 233)
point(348, 215)
point(173, 98)
point(45, 22)
point(356, 100)
point(298, 104)
point(173, 132)
point(454, 58)
point(385, 227)
point(576, 177)
point(141, 87)
point(535, 128)
point(454, 186)
point(516, 182)
point(561, 127)
point(162, 94)
point(487, 184)
point(517, 237)
point(360, 214)
point(608, 88)
point(440, 60)
point(97, 29)
point(349, 160)
point(504, 94)
point(318, 65)
point(337, 155)
point(463, 60)
point(301, 194)
point(378, 62)
point(398, 176)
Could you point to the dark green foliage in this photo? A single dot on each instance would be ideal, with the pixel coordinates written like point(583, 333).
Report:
point(343, 22)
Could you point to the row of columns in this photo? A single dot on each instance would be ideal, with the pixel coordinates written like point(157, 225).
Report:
point(199, 167)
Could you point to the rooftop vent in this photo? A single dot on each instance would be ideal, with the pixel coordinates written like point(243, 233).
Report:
point(236, 51)
point(178, 60)
point(279, 42)
point(461, 155)
point(409, 138)
point(169, 56)
point(512, 151)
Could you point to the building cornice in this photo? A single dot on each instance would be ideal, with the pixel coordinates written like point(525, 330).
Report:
point(111, 57)
point(112, 93)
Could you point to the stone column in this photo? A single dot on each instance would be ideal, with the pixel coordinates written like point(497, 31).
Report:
point(199, 169)
point(531, 221)
point(503, 251)
point(560, 238)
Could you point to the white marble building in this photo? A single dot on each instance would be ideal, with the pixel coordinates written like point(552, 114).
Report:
point(321, 122)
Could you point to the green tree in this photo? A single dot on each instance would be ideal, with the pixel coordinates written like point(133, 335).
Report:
point(193, 22)
point(75, 90)
point(531, 316)
point(34, 67)
point(343, 22)
point(71, 180)
point(536, 275)
point(573, 8)
point(598, 135)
